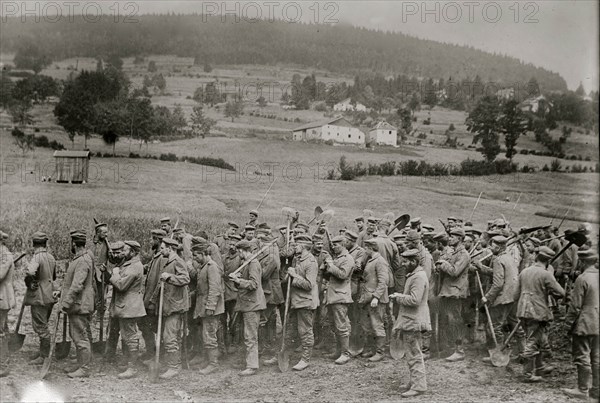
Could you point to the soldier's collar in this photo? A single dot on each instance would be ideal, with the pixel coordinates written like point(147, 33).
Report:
point(79, 254)
point(39, 250)
point(374, 256)
point(418, 269)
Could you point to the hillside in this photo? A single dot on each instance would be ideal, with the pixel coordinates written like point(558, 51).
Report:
point(341, 49)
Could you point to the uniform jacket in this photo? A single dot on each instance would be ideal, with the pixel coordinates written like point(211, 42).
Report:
point(250, 297)
point(186, 243)
point(176, 298)
point(339, 290)
point(425, 260)
point(359, 256)
point(304, 292)
point(221, 242)
point(7, 269)
point(78, 285)
point(582, 316)
point(155, 267)
point(567, 264)
point(454, 276)
point(363, 236)
point(535, 285)
point(389, 251)
point(413, 313)
point(215, 255)
point(375, 280)
point(42, 269)
point(128, 290)
point(231, 261)
point(209, 290)
point(270, 264)
point(505, 280)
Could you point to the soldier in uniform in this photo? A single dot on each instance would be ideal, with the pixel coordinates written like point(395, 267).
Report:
point(101, 252)
point(374, 298)
point(149, 323)
point(454, 287)
point(531, 246)
point(249, 231)
point(165, 225)
point(221, 240)
point(358, 256)
point(412, 320)
point(304, 297)
point(127, 304)
point(360, 223)
point(415, 224)
point(583, 322)
point(535, 286)
point(176, 302)
point(231, 261)
point(368, 232)
point(503, 292)
point(78, 301)
point(7, 300)
point(40, 279)
point(250, 301)
point(185, 241)
point(339, 296)
point(210, 303)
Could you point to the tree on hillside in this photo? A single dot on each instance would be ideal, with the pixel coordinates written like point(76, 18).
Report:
point(30, 56)
point(20, 113)
point(35, 89)
point(200, 122)
point(233, 109)
point(178, 119)
point(580, 91)
point(430, 97)
point(262, 102)
point(6, 89)
point(151, 66)
point(405, 121)
point(211, 94)
point(115, 61)
point(484, 122)
point(207, 67)
point(513, 125)
point(198, 95)
point(414, 104)
point(26, 142)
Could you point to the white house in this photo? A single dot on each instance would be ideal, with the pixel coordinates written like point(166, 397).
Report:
point(535, 104)
point(384, 134)
point(506, 93)
point(337, 129)
point(345, 105)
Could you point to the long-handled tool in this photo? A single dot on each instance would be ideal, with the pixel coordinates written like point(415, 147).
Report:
point(155, 364)
point(266, 193)
point(64, 347)
point(500, 356)
point(318, 211)
point(400, 223)
point(565, 216)
point(100, 346)
point(475, 207)
point(283, 358)
point(16, 339)
point(436, 319)
point(487, 313)
point(517, 203)
point(48, 360)
point(254, 255)
point(397, 350)
point(184, 351)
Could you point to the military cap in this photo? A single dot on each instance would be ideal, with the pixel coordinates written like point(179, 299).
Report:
point(385, 221)
point(451, 219)
point(317, 237)
point(166, 219)
point(100, 225)
point(457, 231)
point(546, 252)
point(359, 219)
point(474, 231)
point(412, 253)
point(170, 242)
point(262, 225)
point(499, 222)
point(178, 231)
point(254, 213)
point(428, 234)
point(201, 246)
point(493, 233)
point(303, 239)
point(235, 237)
point(133, 245)
point(298, 231)
point(413, 236)
point(39, 237)
point(428, 227)
point(399, 236)
point(468, 224)
point(249, 228)
point(3, 236)
point(351, 235)
point(78, 235)
point(416, 220)
point(244, 245)
point(282, 227)
point(372, 243)
point(373, 220)
point(535, 241)
point(158, 233)
point(198, 239)
point(499, 239)
point(587, 254)
point(440, 236)
point(468, 237)
point(233, 225)
point(117, 246)
point(338, 239)
point(302, 226)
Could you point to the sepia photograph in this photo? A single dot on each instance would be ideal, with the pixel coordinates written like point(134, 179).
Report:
point(299, 201)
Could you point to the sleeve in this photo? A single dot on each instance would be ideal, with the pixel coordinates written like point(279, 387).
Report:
point(214, 287)
point(81, 272)
point(309, 280)
point(497, 281)
point(344, 270)
point(33, 266)
point(122, 283)
point(359, 261)
point(382, 279)
point(415, 293)
point(215, 254)
point(268, 265)
point(396, 264)
point(576, 304)
point(254, 279)
point(181, 276)
point(6, 263)
point(552, 286)
point(456, 269)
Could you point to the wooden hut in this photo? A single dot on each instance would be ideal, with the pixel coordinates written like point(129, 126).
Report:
point(72, 166)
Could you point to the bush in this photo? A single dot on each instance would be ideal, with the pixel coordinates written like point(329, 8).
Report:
point(321, 107)
point(427, 121)
point(555, 165)
point(168, 157)
point(524, 151)
point(451, 127)
point(329, 142)
point(134, 155)
point(422, 136)
point(42, 141)
point(545, 168)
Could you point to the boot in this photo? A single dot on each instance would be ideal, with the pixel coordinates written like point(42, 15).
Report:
point(4, 368)
point(213, 362)
point(131, 371)
point(79, 373)
point(344, 349)
point(583, 384)
point(337, 352)
point(174, 363)
point(540, 367)
point(248, 372)
point(458, 355)
point(324, 339)
point(379, 352)
point(529, 371)
point(302, 365)
point(44, 351)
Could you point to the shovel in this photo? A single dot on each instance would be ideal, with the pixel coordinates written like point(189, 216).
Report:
point(48, 360)
point(487, 314)
point(185, 364)
point(155, 365)
point(99, 346)
point(500, 356)
point(397, 350)
point(400, 223)
point(318, 211)
point(283, 358)
point(64, 347)
point(16, 339)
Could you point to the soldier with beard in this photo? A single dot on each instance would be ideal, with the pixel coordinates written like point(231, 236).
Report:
point(231, 261)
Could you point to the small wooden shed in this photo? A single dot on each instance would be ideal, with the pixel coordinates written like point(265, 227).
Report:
point(72, 166)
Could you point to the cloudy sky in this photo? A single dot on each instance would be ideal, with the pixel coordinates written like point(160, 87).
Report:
point(559, 35)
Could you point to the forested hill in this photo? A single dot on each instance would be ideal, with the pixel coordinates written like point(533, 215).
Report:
point(338, 48)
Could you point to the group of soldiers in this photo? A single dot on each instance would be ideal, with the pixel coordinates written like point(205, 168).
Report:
point(352, 292)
